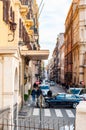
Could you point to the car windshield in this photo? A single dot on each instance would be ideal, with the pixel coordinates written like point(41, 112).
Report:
point(60, 96)
point(75, 91)
point(71, 96)
point(44, 87)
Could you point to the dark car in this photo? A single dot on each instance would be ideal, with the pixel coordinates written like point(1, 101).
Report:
point(62, 100)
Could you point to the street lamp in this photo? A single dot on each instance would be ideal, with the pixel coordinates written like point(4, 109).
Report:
point(12, 28)
point(36, 38)
point(40, 111)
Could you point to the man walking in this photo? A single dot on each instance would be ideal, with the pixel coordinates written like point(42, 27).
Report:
point(38, 94)
point(33, 94)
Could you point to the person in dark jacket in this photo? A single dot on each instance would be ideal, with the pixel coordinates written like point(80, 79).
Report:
point(38, 94)
point(33, 94)
point(49, 94)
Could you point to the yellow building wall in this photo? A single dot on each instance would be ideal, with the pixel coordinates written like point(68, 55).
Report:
point(3, 28)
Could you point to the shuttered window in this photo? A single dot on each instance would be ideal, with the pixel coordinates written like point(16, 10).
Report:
point(12, 15)
point(6, 5)
point(20, 28)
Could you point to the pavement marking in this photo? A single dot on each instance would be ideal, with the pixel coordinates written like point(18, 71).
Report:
point(58, 113)
point(47, 112)
point(66, 127)
point(36, 111)
point(70, 113)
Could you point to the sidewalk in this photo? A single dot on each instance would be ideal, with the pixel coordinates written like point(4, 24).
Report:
point(25, 110)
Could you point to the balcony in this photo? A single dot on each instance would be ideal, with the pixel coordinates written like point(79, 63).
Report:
point(36, 54)
point(31, 32)
point(24, 10)
point(29, 23)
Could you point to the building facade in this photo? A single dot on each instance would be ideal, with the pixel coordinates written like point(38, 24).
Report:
point(79, 41)
point(68, 39)
point(56, 64)
point(19, 52)
point(75, 43)
point(62, 50)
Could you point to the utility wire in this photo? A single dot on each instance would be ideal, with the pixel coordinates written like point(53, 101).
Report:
point(40, 4)
point(40, 11)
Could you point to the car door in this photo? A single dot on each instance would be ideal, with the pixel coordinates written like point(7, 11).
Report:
point(53, 102)
point(60, 100)
point(69, 100)
point(65, 100)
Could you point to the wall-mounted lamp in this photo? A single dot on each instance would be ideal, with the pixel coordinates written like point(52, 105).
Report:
point(12, 28)
point(36, 37)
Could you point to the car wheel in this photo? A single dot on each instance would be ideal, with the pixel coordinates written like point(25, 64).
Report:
point(75, 105)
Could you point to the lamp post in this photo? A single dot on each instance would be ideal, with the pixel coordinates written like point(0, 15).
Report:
point(40, 111)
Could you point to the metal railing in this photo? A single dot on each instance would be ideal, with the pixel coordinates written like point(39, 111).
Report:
point(31, 123)
point(4, 113)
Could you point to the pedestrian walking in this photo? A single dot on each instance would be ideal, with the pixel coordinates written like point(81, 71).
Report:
point(67, 88)
point(35, 85)
point(38, 94)
point(33, 94)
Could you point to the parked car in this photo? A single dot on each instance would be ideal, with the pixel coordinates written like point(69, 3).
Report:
point(52, 83)
point(44, 88)
point(62, 100)
point(79, 92)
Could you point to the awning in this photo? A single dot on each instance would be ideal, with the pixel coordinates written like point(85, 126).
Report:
point(36, 54)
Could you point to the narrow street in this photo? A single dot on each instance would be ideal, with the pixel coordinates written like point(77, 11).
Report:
point(57, 89)
point(42, 40)
point(52, 116)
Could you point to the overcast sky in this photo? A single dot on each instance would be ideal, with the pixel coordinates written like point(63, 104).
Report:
point(51, 21)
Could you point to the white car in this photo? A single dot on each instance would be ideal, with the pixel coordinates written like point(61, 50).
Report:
point(52, 83)
point(44, 89)
point(79, 92)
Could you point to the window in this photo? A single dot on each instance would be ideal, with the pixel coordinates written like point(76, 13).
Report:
point(74, 91)
point(20, 28)
point(60, 96)
point(6, 5)
point(44, 87)
point(12, 15)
